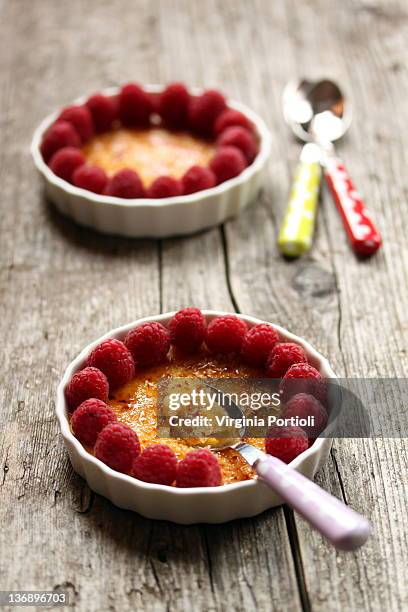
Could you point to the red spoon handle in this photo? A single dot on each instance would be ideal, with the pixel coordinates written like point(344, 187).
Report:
point(363, 235)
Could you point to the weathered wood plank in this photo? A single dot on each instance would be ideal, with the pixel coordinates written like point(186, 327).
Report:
point(330, 297)
point(62, 286)
point(194, 272)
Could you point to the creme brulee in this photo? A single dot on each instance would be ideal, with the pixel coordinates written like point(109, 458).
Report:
point(151, 152)
point(135, 405)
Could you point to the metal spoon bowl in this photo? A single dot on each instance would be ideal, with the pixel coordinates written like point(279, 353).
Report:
point(307, 106)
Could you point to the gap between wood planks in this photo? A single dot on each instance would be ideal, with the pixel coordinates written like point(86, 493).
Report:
point(288, 512)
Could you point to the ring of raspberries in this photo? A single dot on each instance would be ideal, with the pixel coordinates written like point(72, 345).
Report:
point(113, 363)
point(207, 116)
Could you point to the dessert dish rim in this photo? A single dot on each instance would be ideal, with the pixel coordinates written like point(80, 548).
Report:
point(262, 132)
point(119, 332)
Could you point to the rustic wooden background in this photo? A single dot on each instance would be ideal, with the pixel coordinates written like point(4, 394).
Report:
point(62, 286)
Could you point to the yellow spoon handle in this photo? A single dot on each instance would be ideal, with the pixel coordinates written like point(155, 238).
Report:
point(296, 233)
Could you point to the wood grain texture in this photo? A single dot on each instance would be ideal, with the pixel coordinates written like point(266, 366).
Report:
point(61, 286)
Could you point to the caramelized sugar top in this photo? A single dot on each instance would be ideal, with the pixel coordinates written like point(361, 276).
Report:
point(135, 404)
point(150, 152)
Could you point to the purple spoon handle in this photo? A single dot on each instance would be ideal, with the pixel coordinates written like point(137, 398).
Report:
point(342, 526)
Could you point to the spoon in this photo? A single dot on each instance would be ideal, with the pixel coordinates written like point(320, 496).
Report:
point(338, 523)
point(318, 114)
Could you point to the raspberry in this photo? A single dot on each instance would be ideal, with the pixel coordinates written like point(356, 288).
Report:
point(89, 382)
point(81, 119)
point(59, 135)
point(89, 419)
point(227, 163)
point(91, 178)
point(258, 344)
point(231, 117)
point(199, 468)
point(114, 360)
point(241, 138)
point(104, 111)
point(204, 110)
point(156, 464)
point(117, 445)
point(173, 105)
point(164, 187)
point(125, 184)
point(303, 378)
point(286, 443)
point(187, 329)
point(282, 357)
point(149, 343)
point(135, 105)
point(198, 178)
point(303, 405)
point(65, 161)
point(225, 334)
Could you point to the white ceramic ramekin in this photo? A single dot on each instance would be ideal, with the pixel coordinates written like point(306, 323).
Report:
point(186, 506)
point(149, 217)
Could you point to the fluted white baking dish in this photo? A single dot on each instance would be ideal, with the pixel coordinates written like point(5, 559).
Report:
point(186, 506)
point(161, 217)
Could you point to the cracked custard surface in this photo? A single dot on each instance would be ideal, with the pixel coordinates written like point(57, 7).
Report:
point(135, 404)
point(151, 152)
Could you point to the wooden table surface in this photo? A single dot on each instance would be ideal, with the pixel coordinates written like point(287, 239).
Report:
point(62, 286)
